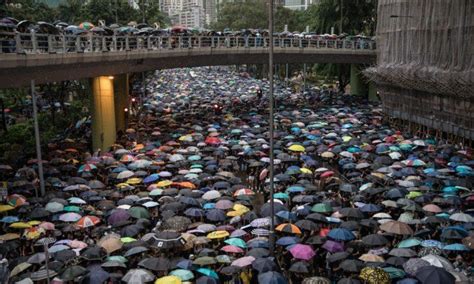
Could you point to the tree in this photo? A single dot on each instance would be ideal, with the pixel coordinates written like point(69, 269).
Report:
point(30, 10)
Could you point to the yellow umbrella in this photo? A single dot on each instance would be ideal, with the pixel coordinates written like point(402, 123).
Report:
point(235, 213)
point(240, 207)
point(34, 222)
point(20, 225)
point(296, 148)
point(188, 138)
point(306, 171)
point(5, 208)
point(371, 258)
point(138, 147)
point(9, 237)
point(164, 183)
point(218, 235)
point(133, 181)
point(168, 280)
point(122, 185)
point(327, 155)
point(346, 138)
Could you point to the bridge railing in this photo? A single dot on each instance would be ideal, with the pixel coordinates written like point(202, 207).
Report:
point(32, 43)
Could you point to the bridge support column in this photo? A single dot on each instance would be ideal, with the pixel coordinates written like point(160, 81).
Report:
point(373, 92)
point(358, 85)
point(121, 100)
point(103, 113)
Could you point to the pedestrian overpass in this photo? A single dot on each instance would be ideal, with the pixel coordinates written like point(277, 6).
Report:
point(107, 61)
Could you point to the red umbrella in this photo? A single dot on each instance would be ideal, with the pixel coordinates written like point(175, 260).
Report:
point(213, 141)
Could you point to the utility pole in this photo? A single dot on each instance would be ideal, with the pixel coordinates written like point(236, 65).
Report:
point(271, 130)
point(37, 138)
point(341, 8)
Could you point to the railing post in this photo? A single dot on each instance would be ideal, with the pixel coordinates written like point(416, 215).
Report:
point(114, 42)
point(91, 43)
point(50, 44)
point(246, 41)
point(127, 43)
point(63, 43)
point(78, 43)
point(34, 43)
point(199, 42)
point(18, 47)
point(344, 44)
point(301, 42)
point(148, 42)
point(180, 42)
point(104, 44)
point(317, 43)
point(326, 43)
point(169, 43)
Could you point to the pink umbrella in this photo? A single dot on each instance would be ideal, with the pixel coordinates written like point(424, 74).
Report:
point(77, 244)
point(224, 204)
point(243, 261)
point(232, 249)
point(70, 217)
point(48, 226)
point(304, 252)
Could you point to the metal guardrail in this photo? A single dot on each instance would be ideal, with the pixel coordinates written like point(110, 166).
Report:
point(32, 43)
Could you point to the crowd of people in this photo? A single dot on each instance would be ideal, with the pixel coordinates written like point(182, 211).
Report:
point(184, 195)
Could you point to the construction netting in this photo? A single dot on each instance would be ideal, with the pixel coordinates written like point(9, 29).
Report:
point(426, 45)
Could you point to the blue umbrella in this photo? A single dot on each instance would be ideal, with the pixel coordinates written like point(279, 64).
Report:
point(370, 208)
point(151, 178)
point(9, 219)
point(456, 247)
point(341, 234)
point(271, 277)
point(286, 241)
point(286, 215)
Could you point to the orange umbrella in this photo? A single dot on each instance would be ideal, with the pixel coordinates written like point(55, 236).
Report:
point(288, 228)
point(88, 221)
point(185, 184)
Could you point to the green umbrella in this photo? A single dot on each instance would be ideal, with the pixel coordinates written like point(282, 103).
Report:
point(205, 260)
point(236, 242)
point(394, 272)
point(139, 212)
point(184, 274)
point(118, 258)
point(408, 243)
point(322, 208)
point(281, 195)
point(208, 272)
point(72, 208)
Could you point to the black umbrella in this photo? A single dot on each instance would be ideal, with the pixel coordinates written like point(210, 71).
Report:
point(307, 225)
point(299, 267)
point(264, 265)
point(351, 265)
point(155, 263)
point(73, 272)
point(215, 215)
point(258, 252)
point(337, 256)
point(94, 253)
point(64, 255)
point(348, 281)
point(135, 250)
point(167, 240)
point(434, 275)
point(374, 240)
point(351, 212)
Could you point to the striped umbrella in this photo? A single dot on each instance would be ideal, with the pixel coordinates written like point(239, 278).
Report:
point(88, 221)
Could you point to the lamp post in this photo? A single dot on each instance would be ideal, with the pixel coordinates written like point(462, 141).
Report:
point(37, 139)
point(271, 130)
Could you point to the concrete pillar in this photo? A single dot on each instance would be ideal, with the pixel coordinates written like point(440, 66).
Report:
point(373, 92)
point(103, 113)
point(121, 100)
point(358, 84)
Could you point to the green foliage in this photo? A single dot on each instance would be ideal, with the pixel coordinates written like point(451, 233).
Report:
point(242, 15)
point(358, 16)
point(30, 10)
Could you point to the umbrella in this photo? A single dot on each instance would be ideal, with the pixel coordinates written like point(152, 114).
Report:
point(304, 252)
point(374, 275)
point(397, 228)
point(434, 275)
point(264, 265)
point(138, 276)
point(271, 277)
point(183, 274)
point(340, 234)
point(243, 261)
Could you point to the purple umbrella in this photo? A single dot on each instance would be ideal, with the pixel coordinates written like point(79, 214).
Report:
point(332, 246)
point(118, 216)
point(243, 261)
point(303, 252)
point(224, 204)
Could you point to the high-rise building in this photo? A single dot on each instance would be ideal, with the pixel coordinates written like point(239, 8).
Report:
point(210, 11)
point(188, 13)
point(299, 4)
